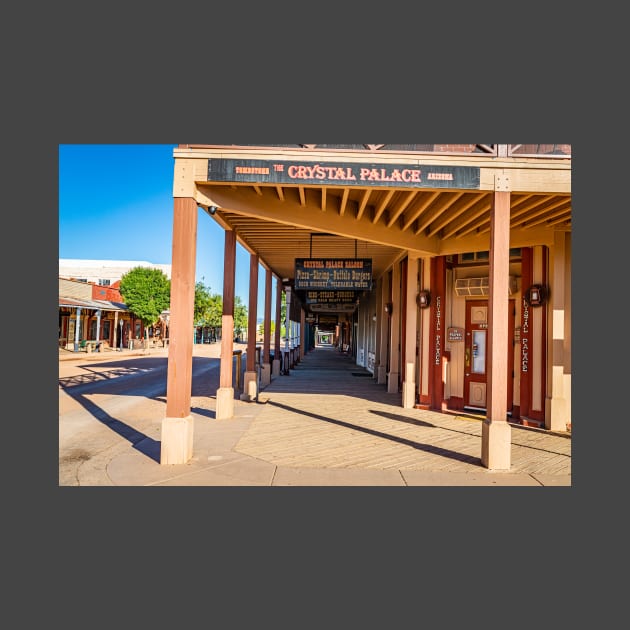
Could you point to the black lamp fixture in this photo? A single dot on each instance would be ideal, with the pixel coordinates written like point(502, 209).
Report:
point(536, 295)
point(389, 308)
point(423, 299)
point(212, 210)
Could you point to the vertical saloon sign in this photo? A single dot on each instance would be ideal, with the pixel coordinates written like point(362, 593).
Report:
point(343, 173)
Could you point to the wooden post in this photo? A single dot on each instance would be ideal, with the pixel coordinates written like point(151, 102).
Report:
point(496, 432)
point(177, 426)
point(277, 357)
point(411, 335)
point(225, 393)
point(251, 375)
point(265, 369)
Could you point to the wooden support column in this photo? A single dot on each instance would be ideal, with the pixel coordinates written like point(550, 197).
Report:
point(383, 319)
point(250, 386)
point(393, 377)
point(114, 339)
point(98, 324)
point(275, 368)
point(177, 426)
point(426, 343)
point(558, 401)
point(526, 336)
point(437, 333)
point(265, 370)
point(77, 329)
point(496, 432)
point(286, 356)
point(411, 334)
point(379, 321)
point(225, 393)
point(302, 350)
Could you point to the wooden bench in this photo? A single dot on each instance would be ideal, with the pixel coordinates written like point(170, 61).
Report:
point(91, 345)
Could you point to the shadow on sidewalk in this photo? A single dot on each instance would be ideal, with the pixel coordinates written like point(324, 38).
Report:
point(429, 448)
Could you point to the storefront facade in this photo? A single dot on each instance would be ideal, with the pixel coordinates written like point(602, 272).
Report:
point(446, 267)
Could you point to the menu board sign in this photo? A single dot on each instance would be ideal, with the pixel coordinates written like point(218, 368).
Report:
point(330, 274)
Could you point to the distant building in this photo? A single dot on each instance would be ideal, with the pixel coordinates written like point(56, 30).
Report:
point(103, 272)
point(86, 315)
point(91, 307)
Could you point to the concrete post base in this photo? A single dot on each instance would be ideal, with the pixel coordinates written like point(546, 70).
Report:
point(177, 440)
point(409, 395)
point(225, 403)
point(265, 375)
point(249, 387)
point(558, 408)
point(381, 375)
point(496, 445)
point(275, 368)
point(392, 383)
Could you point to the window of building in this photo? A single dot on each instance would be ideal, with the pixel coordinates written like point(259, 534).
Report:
point(104, 282)
point(482, 257)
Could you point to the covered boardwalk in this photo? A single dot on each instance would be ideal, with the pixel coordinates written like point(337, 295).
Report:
point(466, 248)
point(330, 415)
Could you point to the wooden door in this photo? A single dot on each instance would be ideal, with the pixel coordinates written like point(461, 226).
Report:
point(476, 355)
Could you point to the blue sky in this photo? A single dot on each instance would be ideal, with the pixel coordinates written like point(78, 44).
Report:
point(116, 203)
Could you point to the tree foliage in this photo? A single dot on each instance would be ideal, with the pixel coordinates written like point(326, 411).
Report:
point(208, 307)
point(261, 328)
point(214, 314)
point(147, 292)
point(240, 316)
point(203, 299)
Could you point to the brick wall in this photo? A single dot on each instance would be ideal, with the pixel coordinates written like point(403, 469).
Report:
point(106, 293)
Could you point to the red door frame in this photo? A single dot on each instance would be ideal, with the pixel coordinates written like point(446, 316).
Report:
point(469, 353)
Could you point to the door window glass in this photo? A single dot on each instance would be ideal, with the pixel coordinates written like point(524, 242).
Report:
point(479, 352)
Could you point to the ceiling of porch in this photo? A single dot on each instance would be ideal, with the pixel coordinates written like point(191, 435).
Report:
point(281, 223)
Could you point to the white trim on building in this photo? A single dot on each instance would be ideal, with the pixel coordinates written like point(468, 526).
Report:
point(104, 272)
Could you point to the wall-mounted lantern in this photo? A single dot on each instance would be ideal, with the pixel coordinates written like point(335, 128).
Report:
point(536, 295)
point(389, 308)
point(423, 299)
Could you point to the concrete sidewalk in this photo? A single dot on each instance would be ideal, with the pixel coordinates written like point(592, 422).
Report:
point(325, 424)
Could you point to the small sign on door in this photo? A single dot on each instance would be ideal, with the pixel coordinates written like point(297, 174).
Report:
point(454, 334)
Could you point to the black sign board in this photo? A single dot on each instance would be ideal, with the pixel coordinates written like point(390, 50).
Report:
point(330, 297)
point(329, 274)
point(343, 173)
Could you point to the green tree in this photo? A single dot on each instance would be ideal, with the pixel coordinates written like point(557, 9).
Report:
point(215, 311)
point(208, 307)
point(272, 328)
point(240, 316)
point(203, 299)
point(146, 292)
